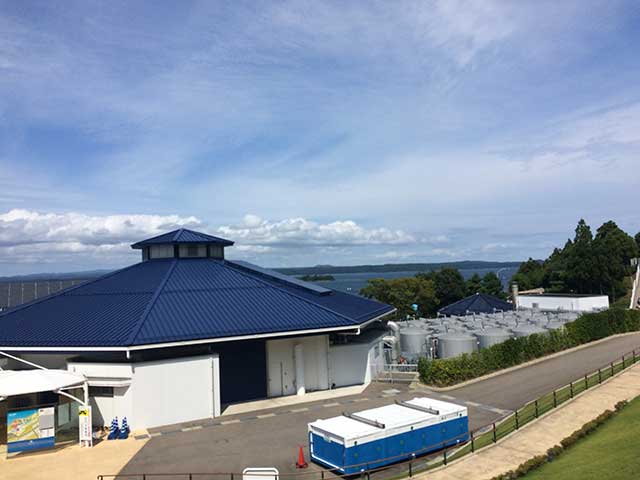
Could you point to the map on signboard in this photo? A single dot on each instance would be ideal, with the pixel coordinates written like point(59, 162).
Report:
point(23, 425)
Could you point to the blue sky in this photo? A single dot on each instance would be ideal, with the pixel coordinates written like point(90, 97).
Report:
point(315, 132)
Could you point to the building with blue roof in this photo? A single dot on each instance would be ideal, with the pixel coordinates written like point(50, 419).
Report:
point(185, 332)
point(476, 303)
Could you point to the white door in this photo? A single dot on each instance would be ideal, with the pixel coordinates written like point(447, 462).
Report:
point(281, 371)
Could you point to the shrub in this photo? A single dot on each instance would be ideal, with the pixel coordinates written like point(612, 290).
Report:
point(586, 328)
point(555, 451)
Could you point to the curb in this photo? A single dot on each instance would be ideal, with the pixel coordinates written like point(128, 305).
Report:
point(522, 365)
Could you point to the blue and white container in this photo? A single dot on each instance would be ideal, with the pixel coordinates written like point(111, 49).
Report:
point(385, 435)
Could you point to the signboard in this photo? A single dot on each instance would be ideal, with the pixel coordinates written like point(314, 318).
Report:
point(30, 429)
point(84, 422)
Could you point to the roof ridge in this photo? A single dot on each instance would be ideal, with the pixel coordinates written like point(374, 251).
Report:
point(257, 278)
point(176, 234)
point(136, 329)
point(65, 291)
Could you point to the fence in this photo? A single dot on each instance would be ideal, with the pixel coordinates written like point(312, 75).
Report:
point(397, 373)
point(403, 467)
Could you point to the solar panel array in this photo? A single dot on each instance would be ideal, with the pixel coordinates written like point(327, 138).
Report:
point(13, 294)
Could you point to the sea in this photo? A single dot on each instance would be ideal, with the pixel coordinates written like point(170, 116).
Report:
point(354, 282)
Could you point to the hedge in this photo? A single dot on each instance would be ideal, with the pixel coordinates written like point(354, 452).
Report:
point(553, 452)
point(585, 329)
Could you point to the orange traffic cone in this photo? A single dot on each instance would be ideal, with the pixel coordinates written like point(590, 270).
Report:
point(301, 463)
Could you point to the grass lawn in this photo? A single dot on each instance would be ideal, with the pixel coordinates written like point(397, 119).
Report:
point(610, 452)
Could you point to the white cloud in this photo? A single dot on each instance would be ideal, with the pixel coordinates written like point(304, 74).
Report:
point(78, 239)
point(300, 231)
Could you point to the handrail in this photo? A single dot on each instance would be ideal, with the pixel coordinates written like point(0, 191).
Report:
point(492, 432)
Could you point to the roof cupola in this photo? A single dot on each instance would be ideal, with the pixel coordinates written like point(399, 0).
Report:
point(182, 243)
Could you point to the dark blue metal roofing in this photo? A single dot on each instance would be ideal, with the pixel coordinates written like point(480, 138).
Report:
point(353, 306)
point(168, 300)
point(182, 235)
point(478, 303)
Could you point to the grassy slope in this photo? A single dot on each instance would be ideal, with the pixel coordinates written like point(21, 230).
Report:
point(610, 452)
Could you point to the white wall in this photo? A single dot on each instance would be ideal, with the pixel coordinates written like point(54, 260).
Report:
point(280, 355)
point(174, 391)
point(353, 363)
point(579, 304)
point(586, 304)
point(106, 408)
point(348, 364)
point(160, 393)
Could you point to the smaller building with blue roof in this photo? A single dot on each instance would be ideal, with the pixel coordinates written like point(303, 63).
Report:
point(185, 332)
point(477, 303)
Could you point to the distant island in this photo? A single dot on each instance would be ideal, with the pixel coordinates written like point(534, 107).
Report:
point(394, 267)
point(317, 278)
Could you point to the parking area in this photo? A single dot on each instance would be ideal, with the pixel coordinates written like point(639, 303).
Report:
point(269, 437)
point(272, 437)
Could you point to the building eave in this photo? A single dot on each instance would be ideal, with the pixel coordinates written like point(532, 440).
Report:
point(183, 343)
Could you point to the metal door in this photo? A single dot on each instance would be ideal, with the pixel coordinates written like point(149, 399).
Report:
point(281, 372)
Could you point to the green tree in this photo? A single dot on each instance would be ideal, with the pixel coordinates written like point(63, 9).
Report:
point(449, 284)
point(474, 284)
point(530, 275)
point(612, 249)
point(404, 292)
point(581, 264)
point(555, 270)
point(492, 285)
point(637, 239)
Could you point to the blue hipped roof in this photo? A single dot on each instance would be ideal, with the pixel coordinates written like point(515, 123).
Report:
point(172, 300)
point(183, 235)
point(478, 303)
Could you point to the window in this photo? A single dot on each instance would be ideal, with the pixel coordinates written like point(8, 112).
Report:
point(101, 391)
point(192, 250)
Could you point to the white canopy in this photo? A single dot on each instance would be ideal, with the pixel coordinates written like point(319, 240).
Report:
point(20, 382)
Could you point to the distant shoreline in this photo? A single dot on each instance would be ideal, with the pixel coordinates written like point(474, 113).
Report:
point(394, 267)
point(296, 271)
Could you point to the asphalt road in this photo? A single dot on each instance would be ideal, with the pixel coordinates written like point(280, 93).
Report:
point(511, 390)
point(271, 437)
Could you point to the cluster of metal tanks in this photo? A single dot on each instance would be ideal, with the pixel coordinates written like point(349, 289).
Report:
point(446, 337)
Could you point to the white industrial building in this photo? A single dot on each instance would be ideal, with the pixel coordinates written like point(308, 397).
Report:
point(185, 332)
point(563, 302)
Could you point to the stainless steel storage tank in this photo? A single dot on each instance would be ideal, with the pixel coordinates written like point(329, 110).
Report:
point(454, 344)
point(413, 340)
point(491, 336)
point(554, 325)
point(525, 330)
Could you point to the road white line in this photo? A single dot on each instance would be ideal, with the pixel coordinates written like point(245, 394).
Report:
point(266, 415)
point(297, 410)
point(189, 429)
point(334, 404)
point(228, 422)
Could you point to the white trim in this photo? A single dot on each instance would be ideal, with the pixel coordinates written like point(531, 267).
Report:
point(243, 337)
point(196, 342)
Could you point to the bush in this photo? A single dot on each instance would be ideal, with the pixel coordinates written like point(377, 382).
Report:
point(554, 452)
point(586, 328)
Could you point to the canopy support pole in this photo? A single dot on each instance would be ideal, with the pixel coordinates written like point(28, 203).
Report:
point(22, 360)
point(76, 399)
